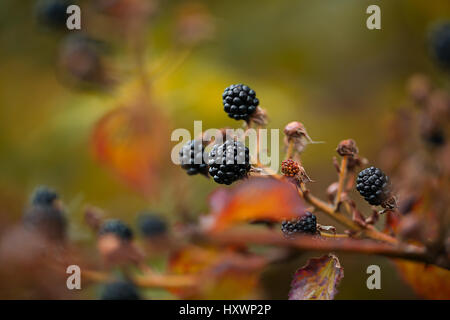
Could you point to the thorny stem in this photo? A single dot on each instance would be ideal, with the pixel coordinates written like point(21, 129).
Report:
point(342, 176)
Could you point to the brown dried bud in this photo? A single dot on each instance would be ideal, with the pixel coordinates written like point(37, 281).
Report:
point(347, 148)
point(295, 132)
point(295, 129)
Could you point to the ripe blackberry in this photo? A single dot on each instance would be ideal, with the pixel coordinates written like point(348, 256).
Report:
point(290, 168)
point(191, 158)
point(52, 13)
point(151, 225)
point(440, 44)
point(44, 216)
point(44, 196)
point(120, 290)
point(229, 162)
point(306, 224)
point(239, 101)
point(116, 227)
point(373, 185)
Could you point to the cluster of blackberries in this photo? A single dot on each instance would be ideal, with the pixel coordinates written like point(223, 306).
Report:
point(120, 290)
point(373, 185)
point(229, 162)
point(239, 101)
point(191, 158)
point(440, 44)
point(45, 215)
point(306, 224)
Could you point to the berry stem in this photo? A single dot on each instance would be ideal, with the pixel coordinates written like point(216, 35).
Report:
point(342, 176)
point(290, 149)
point(333, 235)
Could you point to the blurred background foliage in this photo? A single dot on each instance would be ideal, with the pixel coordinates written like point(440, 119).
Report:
point(311, 61)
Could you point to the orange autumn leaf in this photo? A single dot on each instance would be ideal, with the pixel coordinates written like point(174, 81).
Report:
point(427, 281)
point(222, 274)
point(128, 141)
point(317, 280)
point(255, 199)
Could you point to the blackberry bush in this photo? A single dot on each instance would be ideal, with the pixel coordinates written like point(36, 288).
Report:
point(239, 101)
point(191, 158)
point(306, 224)
point(118, 228)
point(229, 162)
point(373, 185)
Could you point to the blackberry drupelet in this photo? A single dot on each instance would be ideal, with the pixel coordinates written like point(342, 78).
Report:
point(116, 227)
point(239, 101)
point(120, 290)
point(306, 224)
point(151, 225)
point(191, 158)
point(290, 168)
point(373, 185)
point(229, 162)
point(45, 216)
point(440, 44)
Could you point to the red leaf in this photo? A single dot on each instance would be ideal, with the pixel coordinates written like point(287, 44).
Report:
point(127, 140)
point(222, 274)
point(254, 199)
point(430, 282)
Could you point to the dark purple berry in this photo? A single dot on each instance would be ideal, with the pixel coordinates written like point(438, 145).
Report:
point(373, 185)
point(45, 216)
point(229, 162)
point(440, 44)
point(239, 101)
point(191, 158)
point(151, 225)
